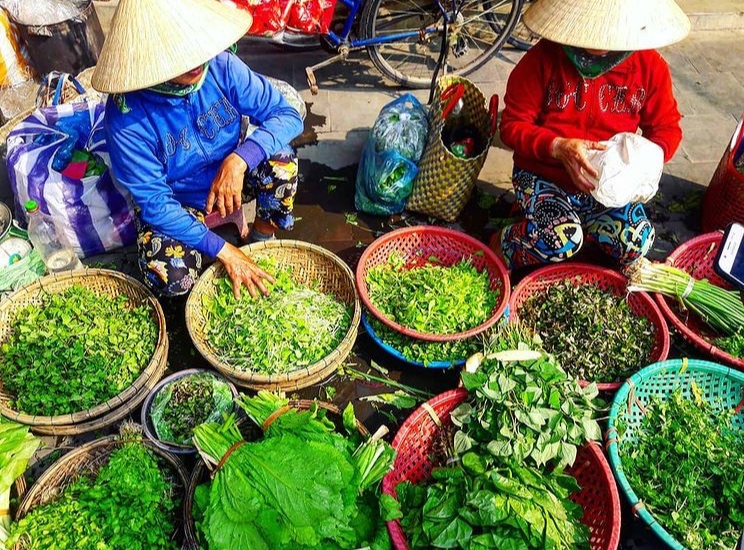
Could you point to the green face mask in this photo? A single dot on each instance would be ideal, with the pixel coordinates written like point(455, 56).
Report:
point(168, 88)
point(592, 66)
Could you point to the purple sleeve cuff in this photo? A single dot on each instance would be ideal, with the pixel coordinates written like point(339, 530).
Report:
point(252, 153)
point(211, 244)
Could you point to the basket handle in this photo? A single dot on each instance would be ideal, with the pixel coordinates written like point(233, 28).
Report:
point(451, 97)
point(493, 113)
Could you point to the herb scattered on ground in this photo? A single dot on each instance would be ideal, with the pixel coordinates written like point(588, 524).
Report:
point(127, 506)
point(594, 333)
point(686, 463)
point(302, 485)
point(187, 402)
point(74, 351)
point(421, 351)
point(432, 298)
point(294, 326)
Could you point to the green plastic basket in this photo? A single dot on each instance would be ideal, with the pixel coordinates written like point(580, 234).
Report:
point(723, 387)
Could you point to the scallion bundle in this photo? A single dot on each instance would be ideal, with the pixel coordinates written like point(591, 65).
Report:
point(722, 310)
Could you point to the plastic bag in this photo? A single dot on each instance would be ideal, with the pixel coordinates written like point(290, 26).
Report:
point(43, 12)
point(388, 165)
point(310, 16)
point(95, 212)
point(222, 402)
point(269, 16)
point(629, 170)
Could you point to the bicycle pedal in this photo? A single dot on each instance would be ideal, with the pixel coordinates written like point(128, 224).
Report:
point(460, 47)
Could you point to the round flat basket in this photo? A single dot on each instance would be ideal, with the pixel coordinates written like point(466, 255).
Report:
point(721, 386)
point(310, 265)
point(88, 459)
point(417, 437)
point(640, 303)
point(399, 355)
point(417, 245)
point(200, 474)
point(106, 284)
point(697, 257)
point(146, 420)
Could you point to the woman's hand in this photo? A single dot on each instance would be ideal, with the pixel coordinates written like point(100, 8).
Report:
point(243, 270)
point(572, 153)
point(227, 186)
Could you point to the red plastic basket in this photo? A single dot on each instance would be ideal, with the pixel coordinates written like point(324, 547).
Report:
point(417, 245)
point(723, 202)
point(696, 257)
point(598, 497)
point(640, 303)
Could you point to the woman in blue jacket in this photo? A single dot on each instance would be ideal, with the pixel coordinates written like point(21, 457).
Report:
point(173, 131)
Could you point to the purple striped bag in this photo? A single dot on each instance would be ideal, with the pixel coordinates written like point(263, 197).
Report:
point(95, 212)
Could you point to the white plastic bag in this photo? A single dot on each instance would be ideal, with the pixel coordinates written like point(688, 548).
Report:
point(629, 170)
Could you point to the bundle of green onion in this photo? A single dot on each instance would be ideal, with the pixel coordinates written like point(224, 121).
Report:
point(722, 310)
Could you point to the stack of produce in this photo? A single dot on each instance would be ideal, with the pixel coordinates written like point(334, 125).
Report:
point(294, 326)
point(720, 309)
point(74, 351)
point(302, 485)
point(434, 299)
point(593, 333)
point(499, 481)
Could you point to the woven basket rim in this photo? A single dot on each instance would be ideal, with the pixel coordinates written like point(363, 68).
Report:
point(108, 444)
point(457, 396)
point(620, 401)
point(148, 370)
point(479, 247)
point(168, 446)
point(701, 241)
point(579, 268)
point(189, 526)
point(302, 376)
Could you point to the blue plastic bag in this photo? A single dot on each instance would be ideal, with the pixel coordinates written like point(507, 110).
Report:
point(388, 164)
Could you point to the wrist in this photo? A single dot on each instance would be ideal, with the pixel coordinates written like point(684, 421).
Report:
point(237, 163)
point(554, 145)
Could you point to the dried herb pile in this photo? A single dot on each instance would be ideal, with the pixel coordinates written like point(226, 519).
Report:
point(686, 464)
point(294, 326)
point(187, 402)
point(421, 351)
point(75, 351)
point(432, 298)
point(594, 334)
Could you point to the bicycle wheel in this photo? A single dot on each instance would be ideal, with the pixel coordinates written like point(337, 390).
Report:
point(521, 37)
point(473, 37)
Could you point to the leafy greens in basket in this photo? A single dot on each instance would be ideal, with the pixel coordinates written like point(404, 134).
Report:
point(301, 486)
point(432, 298)
point(293, 327)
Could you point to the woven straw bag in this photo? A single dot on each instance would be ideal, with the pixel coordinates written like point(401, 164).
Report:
point(445, 182)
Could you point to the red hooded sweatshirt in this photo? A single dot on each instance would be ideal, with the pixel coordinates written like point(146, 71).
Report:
point(546, 98)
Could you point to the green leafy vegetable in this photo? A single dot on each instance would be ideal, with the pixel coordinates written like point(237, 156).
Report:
point(127, 506)
point(593, 333)
point(187, 402)
point(686, 464)
point(294, 326)
point(75, 350)
point(302, 486)
point(733, 345)
point(432, 298)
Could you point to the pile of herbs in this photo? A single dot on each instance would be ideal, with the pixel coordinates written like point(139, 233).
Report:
point(733, 344)
point(686, 464)
point(127, 506)
point(303, 485)
point(187, 402)
point(432, 298)
point(75, 350)
point(422, 351)
point(593, 333)
point(501, 482)
point(294, 326)
point(17, 446)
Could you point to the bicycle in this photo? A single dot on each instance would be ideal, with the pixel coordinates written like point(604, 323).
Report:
point(403, 38)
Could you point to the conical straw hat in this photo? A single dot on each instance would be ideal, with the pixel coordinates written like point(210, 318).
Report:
point(616, 25)
point(153, 41)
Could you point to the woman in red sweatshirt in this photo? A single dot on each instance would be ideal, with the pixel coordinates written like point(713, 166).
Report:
point(593, 75)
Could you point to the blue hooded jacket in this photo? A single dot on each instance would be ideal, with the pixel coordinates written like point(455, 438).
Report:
point(166, 150)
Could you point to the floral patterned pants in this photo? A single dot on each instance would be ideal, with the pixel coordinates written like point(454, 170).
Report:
point(170, 268)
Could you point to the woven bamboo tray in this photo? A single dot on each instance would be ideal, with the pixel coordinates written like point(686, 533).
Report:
point(251, 432)
point(105, 283)
point(309, 264)
point(88, 459)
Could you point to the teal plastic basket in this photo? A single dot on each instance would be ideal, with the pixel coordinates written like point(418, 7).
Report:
point(723, 387)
